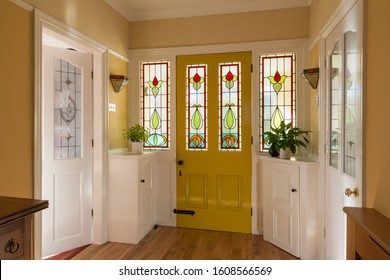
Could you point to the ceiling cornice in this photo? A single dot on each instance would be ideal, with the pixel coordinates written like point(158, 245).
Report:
point(146, 11)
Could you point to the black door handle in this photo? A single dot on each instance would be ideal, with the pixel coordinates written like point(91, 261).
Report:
point(180, 162)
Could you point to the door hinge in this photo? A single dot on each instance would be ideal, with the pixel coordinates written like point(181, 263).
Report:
point(324, 232)
point(92, 143)
point(91, 212)
point(251, 212)
point(251, 140)
point(251, 68)
point(92, 75)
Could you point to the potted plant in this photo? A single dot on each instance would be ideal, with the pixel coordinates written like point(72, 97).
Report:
point(136, 135)
point(272, 140)
point(286, 139)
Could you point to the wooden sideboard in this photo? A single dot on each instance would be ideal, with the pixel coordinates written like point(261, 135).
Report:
point(15, 226)
point(368, 234)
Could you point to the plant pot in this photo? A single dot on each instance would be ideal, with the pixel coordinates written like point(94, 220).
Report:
point(273, 151)
point(285, 154)
point(136, 147)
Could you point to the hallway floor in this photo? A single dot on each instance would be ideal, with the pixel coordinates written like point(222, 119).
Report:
point(170, 243)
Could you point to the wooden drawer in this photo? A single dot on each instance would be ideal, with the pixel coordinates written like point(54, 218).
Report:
point(13, 244)
point(366, 246)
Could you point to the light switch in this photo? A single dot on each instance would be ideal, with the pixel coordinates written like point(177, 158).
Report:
point(111, 107)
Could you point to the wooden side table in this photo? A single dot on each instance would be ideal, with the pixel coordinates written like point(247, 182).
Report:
point(368, 234)
point(15, 226)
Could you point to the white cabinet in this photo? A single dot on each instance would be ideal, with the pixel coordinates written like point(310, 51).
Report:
point(132, 194)
point(290, 201)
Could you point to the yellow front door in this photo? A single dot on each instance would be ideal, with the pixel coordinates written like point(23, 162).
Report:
point(214, 142)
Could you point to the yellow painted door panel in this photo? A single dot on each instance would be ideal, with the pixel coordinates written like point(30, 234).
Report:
point(214, 166)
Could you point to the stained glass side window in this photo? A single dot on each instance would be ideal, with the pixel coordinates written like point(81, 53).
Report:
point(277, 92)
point(155, 86)
point(196, 108)
point(67, 110)
point(230, 106)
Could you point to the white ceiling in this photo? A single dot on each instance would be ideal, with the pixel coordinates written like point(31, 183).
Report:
point(138, 10)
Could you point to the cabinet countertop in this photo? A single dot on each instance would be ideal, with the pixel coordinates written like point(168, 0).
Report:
point(376, 224)
point(293, 160)
point(12, 208)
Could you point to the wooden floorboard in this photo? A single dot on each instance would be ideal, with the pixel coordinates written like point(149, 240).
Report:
point(170, 243)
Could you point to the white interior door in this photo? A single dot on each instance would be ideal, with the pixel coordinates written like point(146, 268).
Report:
point(344, 126)
point(66, 149)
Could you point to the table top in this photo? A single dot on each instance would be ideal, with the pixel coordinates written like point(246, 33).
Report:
point(12, 208)
point(376, 224)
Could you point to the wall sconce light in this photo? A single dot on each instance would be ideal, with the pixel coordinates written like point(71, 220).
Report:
point(311, 76)
point(118, 82)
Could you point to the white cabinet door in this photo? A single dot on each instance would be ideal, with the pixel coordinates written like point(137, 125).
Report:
point(281, 206)
point(147, 190)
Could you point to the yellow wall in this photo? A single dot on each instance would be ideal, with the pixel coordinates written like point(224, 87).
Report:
point(320, 13)
point(117, 121)
point(221, 29)
point(377, 100)
point(92, 17)
point(16, 101)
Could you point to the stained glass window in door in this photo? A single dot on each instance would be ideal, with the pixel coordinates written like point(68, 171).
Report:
point(196, 106)
point(335, 69)
point(67, 110)
point(277, 92)
point(155, 103)
point(230, 106)
point(350, 102)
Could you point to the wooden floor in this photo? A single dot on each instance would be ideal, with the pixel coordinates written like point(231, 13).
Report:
point(170, 243)
point(68, 255)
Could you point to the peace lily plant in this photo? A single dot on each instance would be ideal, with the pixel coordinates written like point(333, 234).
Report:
point(284, 138)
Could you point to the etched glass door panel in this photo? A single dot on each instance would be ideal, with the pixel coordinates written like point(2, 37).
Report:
point(335, 103)
point(351, 104)
point(67, 110)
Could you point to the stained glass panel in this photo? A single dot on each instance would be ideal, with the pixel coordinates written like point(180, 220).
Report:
point(196, 107)
point(155, 103)
point(230, 106)
point(67, 110)
point(277, 92)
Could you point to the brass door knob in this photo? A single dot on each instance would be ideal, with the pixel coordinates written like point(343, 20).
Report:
point(348, 192)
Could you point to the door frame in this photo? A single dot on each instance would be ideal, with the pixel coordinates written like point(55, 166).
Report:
point(336, 18)
point(167, 159)
point(44, 23)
